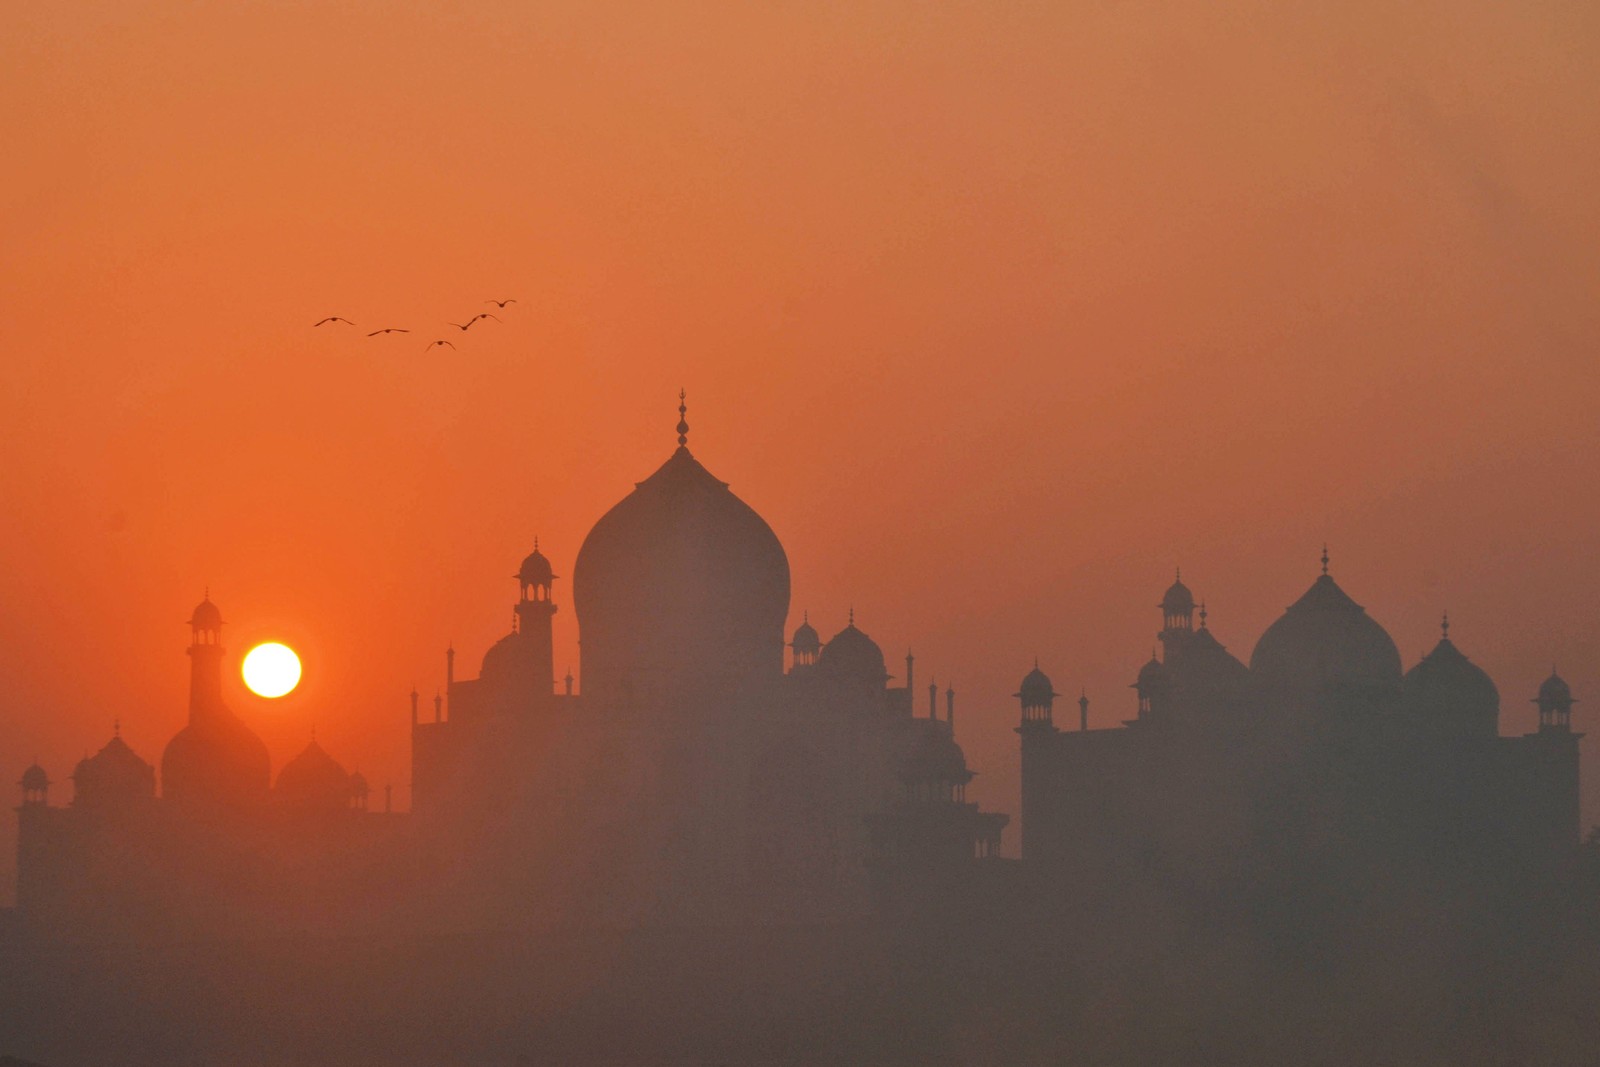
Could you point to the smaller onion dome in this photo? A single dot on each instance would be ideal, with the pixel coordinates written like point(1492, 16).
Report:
point(206, 615)
point(1151, 676)
point(313, 780)
point(806, 639)
point(34, 780)
point(1036, 690)
point(535, 569)
point(358, 785)
point(935, 758)
point(853, 656)
point(1447, 690)
point(114, 774)
point(1554, 692)
point(1178, 600)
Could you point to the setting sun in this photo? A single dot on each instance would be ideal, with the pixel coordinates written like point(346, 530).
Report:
point(271, 670)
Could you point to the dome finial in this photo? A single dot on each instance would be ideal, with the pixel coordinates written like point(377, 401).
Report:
point(1324, 557)
point(683, 422)
point(852, 615)
point(1444, 626)
point(1202, 614)
point(116, 727)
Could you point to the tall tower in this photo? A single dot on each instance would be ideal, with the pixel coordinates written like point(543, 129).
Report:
point(1555, 705)
point(535, 611)
point(1177, 617)
point(216, 762)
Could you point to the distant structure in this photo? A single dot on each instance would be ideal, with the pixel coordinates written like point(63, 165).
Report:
point(1321, 764)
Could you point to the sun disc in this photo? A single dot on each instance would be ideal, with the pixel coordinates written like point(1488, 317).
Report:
point(271, 670)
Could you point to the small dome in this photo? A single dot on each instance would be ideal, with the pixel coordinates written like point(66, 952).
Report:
point(1036, 690)
point(1178, 600)
point(854, 656)
point(206, 615)
point(1324, 643)
point(806, 638)
point(313, 780)
point(358, 785)
point(1447, 690)
point(115, 773)
point(535, 569)
point(934, 756)
point(1555, 692)
point(34, 779)
point(1151, 676)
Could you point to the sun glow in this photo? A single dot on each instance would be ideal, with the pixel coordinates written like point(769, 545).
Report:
point(271, 670)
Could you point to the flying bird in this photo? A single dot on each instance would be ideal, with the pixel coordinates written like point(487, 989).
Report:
point(391, 329)
point(458, 325)
point(436, 344)
point(500, 303)
point(333, 318)
point(480, 315)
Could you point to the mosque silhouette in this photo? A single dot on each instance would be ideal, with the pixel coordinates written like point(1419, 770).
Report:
point(708, 773)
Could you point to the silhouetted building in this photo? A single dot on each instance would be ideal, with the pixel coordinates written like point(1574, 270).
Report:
point(1321, 770)
point(693, 779)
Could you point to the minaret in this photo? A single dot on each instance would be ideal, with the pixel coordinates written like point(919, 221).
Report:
point(950, 709)
point(1177, 616)
point(1083, 712)
point(535, 612)
point(205, 662)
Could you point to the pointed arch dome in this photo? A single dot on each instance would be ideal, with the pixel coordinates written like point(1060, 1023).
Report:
point(1325, 644)
point(853, 656)
point(115, 774)
point(1177, 599)
point(34, 779)
point(206, 615)
point(1036, 691)
point(806, 639)
point(536, 569)
point(1447, 691)
point(680, 579)
point(313, 780)
point(216, 761)
point(1554, 691)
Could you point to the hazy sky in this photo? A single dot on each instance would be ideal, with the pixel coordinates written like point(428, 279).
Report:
point(996, 312)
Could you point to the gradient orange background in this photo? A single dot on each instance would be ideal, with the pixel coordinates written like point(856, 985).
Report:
point(995, 312)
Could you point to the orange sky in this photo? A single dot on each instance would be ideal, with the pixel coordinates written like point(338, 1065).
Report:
point(996, 312)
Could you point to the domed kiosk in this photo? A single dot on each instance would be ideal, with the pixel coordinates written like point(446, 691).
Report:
point(681, 583)
point(1326, 646)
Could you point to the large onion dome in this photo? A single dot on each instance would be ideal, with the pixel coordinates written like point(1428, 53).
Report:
point(114, 775)
point(313, 781)
point(1326, 645)
point(680, 582)
point(1446, 691)
point(853, 657)
point(216, 761)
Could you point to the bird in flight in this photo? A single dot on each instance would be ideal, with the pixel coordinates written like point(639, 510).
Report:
point(436, 344)
point(479, 315)
point(333, 318)
point(500, 303)
point(391, 329)
point(458, 325)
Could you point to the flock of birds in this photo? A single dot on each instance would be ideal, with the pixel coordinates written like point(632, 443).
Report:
point(441, 342)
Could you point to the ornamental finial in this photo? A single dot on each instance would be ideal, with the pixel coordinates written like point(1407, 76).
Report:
point(1324, 557)
point(683, 422)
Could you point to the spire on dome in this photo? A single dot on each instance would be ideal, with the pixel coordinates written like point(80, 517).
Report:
point(1324, 557)
point(683, 422)
point(1444, 627)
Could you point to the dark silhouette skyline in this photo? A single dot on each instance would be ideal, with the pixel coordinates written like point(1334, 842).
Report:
point(1325, 817)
